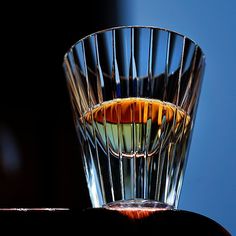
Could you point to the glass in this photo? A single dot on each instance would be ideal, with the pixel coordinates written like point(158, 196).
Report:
point(134, 92)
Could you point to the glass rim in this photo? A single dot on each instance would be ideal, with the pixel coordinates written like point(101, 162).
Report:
point(130, 27)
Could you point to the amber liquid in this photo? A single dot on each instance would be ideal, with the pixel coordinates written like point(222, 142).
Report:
point(135, 127)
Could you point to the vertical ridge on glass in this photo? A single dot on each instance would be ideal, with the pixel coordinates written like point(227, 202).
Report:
point(100, 179)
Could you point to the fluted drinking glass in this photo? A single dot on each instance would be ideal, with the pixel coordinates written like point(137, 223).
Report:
point(134, 93)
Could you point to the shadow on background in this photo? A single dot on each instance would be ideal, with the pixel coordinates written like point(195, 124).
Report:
point(40, 162)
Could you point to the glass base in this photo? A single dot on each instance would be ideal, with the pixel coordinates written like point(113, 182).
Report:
point(137, 208)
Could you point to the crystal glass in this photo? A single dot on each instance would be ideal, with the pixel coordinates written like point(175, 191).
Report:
point(134, 93)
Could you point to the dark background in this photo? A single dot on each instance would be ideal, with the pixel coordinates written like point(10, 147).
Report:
point(40, 163)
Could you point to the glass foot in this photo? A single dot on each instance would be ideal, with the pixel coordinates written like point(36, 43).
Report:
point(137, 208)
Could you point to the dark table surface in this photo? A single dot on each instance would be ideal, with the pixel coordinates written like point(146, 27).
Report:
point(100, 221)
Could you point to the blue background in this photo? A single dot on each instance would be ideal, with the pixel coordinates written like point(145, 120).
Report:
point(209, 187)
